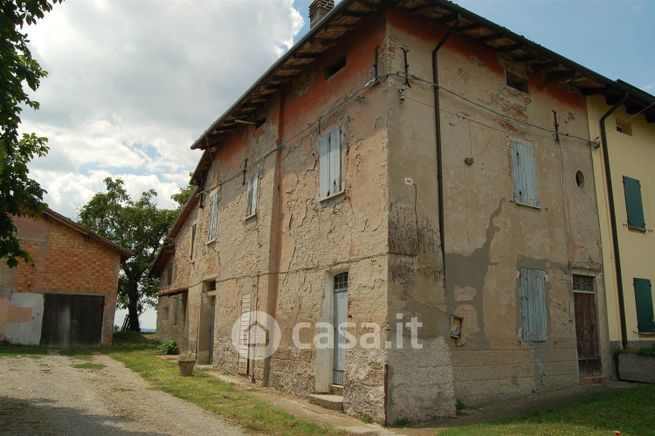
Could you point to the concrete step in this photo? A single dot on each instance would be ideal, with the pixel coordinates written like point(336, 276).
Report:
point(336, 390)
point(590, 380)
point(334, 402)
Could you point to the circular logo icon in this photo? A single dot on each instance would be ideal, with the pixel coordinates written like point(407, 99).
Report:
point(255, 335)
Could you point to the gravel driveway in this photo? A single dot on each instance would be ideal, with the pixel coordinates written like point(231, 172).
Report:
point(48, 395)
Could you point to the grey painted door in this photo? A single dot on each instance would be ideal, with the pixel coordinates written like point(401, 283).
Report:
point(340, 317)
point(212, 321)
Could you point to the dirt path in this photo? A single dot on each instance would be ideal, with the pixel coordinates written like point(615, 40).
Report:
point(49, 395)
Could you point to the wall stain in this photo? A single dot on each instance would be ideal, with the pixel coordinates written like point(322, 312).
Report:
point(470, 270)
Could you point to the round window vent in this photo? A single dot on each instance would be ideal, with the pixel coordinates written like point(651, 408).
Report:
point(579, 179)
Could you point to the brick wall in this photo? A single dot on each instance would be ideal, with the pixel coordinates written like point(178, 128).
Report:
point(64, 261)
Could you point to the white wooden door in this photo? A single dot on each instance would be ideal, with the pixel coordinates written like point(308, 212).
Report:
point(244, 335)
point(340, 318)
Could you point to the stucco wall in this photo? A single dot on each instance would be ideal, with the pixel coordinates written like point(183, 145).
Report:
point(384, 229)
point(630, 155)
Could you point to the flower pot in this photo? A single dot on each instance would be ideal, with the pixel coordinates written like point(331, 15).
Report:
point(186, 367)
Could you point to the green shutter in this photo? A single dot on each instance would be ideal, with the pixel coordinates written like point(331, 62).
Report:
point(644, 300)
point(633, 204)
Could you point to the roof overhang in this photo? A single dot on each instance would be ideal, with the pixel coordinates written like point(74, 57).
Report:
point(174, 291)
point(347, 14)
point(165, 252)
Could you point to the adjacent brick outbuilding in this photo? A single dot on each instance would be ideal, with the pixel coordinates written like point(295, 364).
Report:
point(67, 296)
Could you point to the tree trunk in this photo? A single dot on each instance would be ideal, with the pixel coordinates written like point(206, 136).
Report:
point(133, 311)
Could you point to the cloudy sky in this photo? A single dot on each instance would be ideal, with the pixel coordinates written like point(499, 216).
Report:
point(132, 83)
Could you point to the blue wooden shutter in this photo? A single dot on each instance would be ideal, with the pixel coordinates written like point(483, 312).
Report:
point(335, 161)
point(633, 204)
point(524, 173)
point(644, 300)
point(324, 165)
point(534, 312)
point(213, 218)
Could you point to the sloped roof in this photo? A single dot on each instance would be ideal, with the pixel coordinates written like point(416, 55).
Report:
point(167, 249)
point(124, 252)
point(347, 14)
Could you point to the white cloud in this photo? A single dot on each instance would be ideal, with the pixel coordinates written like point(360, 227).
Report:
point(132, 84)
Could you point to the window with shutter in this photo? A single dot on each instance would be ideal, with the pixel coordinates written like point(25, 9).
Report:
point(212, 230)
point(633, 203)
point(253, 187)
point(534, 310)
point(330, 163)
point(524, 173)
point(644, 301)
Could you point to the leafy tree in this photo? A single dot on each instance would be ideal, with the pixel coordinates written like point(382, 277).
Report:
point(19, 194)
point(138, 225)
point(183, 196)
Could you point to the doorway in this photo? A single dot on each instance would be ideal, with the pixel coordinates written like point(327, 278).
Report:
point(340, 317)
point(586, 325)
point(212, 323)
point(72, 320)
point(207, 322)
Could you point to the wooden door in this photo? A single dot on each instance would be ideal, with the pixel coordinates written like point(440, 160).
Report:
point(586, 326)
point(72, 320)
point(340, 317)
point(244, 335)
point(212, 320)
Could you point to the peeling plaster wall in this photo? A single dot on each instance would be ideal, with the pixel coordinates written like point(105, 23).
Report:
point(24, 315)
point(321, 238)
point(384, 229)
point(488, 237)
point(285, 255)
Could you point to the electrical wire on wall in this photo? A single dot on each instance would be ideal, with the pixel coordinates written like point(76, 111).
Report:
point(312, 127)
point(316, 123)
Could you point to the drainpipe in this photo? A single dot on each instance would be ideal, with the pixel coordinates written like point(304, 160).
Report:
point(610, 198)
point(275, 248)
point(437, 131)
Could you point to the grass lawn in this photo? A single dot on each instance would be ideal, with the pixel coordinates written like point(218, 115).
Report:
point(139, 353)
point(629, 410)
point(223, 399)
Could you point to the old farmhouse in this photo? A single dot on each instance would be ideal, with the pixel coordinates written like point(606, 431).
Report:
point(404, 159)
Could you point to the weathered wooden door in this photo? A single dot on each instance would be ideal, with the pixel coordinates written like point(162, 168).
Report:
point(72, 320)
point(586, 325)
point(340, 317)
point(244, 335)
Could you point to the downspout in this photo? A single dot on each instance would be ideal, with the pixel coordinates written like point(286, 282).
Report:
point(610, 199)
point(437, 132)
point(275, 232)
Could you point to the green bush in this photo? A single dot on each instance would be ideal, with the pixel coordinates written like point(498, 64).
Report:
point(169, 347)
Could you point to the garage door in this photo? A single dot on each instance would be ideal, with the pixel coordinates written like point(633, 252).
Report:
point(72, 320)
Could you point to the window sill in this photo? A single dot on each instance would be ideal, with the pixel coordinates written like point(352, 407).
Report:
point(637, 229)
point(210, 242)
point(250, 217)
point(338, 195)
point(531, 206)
point(645, 333)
